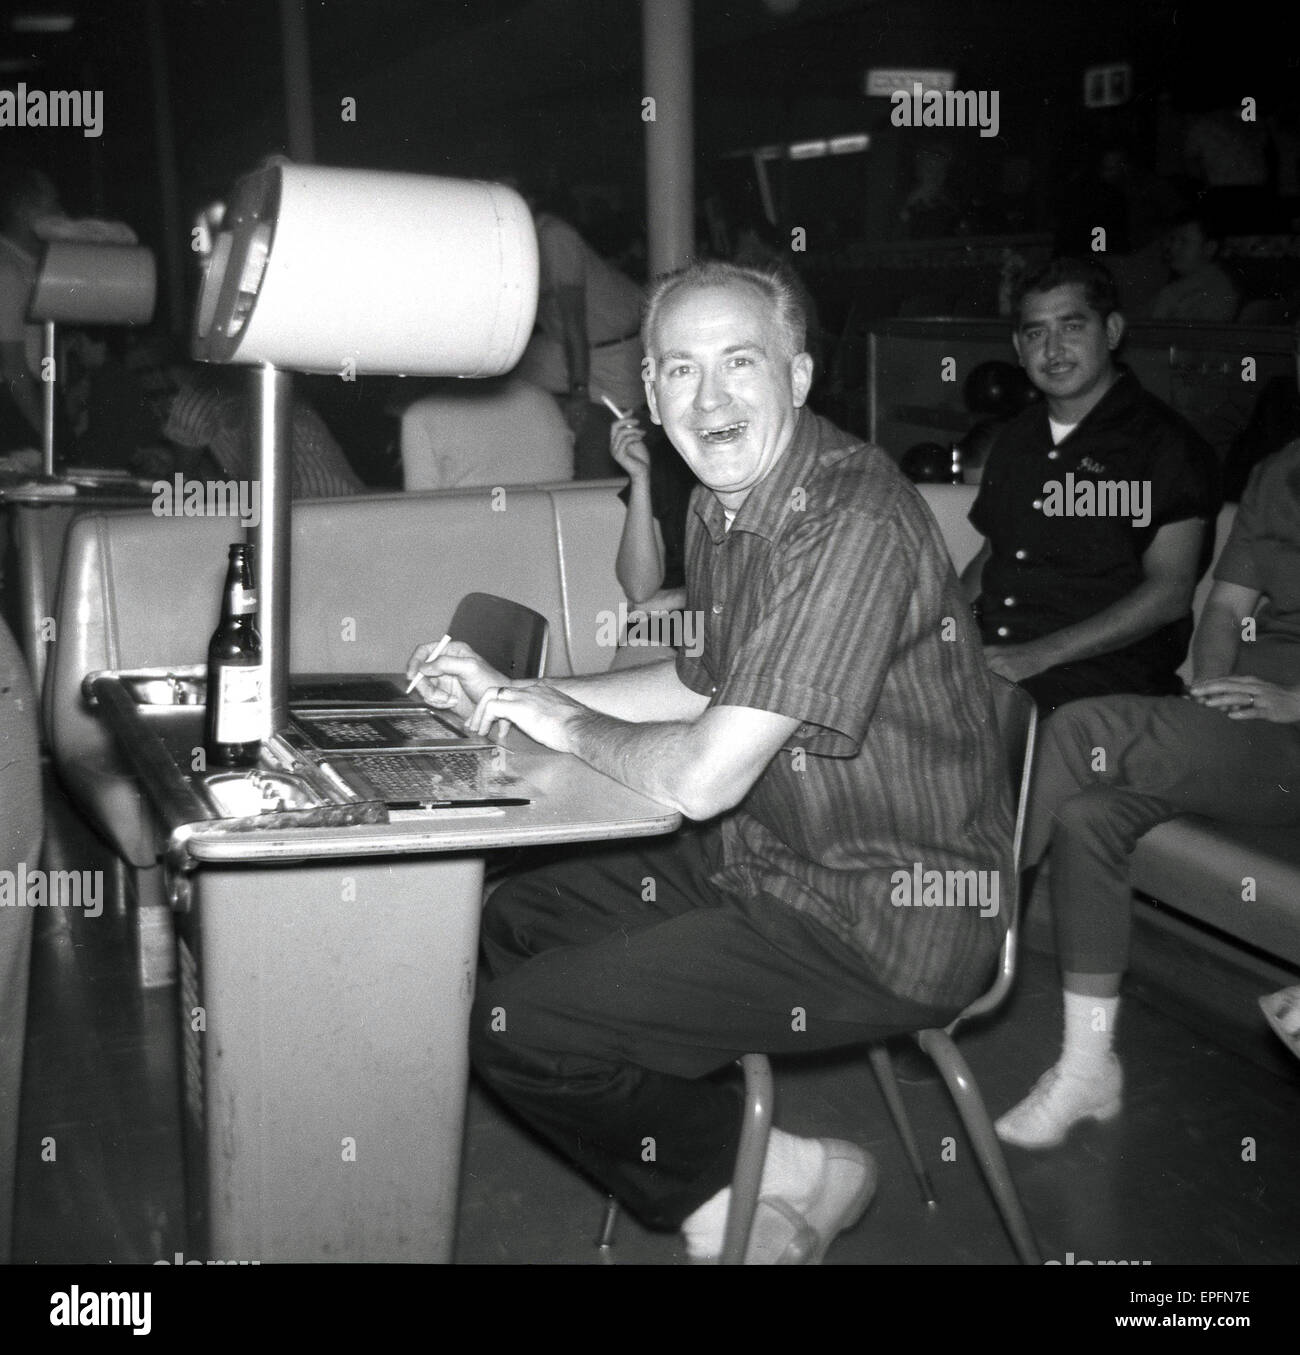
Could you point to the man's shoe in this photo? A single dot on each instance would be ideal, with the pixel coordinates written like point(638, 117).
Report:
point(1058, 1102)
point(785, 1236)
point(1283, 1013)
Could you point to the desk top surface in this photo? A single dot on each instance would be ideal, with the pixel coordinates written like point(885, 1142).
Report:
point(568, 801)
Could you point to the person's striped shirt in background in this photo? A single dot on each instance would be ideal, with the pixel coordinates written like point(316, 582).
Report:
point(201, 415)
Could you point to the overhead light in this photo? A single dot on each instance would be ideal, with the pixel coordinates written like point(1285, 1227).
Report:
point(849, 145)
point(43, 23)
point(807, 150)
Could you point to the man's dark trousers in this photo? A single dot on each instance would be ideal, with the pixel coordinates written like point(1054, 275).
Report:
point(618, 980)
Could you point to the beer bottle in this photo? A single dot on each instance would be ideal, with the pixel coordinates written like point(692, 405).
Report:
point(238, 711)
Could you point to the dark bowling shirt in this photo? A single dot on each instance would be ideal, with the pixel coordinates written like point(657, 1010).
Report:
point(832, 600)
point(1263, 553)
point(1046, 573)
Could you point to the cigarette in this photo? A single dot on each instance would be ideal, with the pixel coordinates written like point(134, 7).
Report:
point(437, 649)
point(613, 408)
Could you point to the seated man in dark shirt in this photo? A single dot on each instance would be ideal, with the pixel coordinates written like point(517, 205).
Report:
point(814, 740)
point(1093, 506)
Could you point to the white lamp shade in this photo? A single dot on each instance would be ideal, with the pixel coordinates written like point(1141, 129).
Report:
point(94, 284)
point(338, 270)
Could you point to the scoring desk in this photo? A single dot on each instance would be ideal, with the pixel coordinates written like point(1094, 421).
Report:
point(326, 976)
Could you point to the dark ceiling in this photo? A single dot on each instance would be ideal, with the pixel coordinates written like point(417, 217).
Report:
point(468, 86)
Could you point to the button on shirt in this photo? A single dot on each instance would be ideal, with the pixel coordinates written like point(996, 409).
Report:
point(832, 600)
point(1048, 572)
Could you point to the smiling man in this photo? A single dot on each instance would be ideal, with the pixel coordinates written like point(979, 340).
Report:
point(817, 747)
point(1093, 507)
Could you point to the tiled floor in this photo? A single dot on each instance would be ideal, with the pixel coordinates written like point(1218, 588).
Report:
point(1200, 1168)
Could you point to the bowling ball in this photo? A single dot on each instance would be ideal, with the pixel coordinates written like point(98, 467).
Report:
point(927, 463)
point(997, 390)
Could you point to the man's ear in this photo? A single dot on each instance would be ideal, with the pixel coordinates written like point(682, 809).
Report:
point(1015, 343)
point(801, 375)
point(651, 399)
point(1114, 330)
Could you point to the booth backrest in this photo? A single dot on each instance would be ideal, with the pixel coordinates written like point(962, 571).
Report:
point(372, 577)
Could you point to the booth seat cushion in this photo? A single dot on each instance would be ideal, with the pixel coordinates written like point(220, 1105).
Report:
point(1242, 880)
point(950, 505)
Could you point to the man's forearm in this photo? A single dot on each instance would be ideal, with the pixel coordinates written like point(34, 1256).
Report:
point(640, 566)
point(656, 759)
point(652, 693)
point(1152, 604)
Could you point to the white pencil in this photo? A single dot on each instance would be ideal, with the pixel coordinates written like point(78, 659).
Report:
point(613, 408)
point(437, 649)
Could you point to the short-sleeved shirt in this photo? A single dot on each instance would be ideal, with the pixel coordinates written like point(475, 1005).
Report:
point(1048, 572)
point(832, 600)
point(320, 469)
point(502, 431)
point(1263, 553)
point(566, 260)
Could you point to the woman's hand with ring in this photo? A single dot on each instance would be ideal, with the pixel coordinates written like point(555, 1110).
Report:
point(1249, 698)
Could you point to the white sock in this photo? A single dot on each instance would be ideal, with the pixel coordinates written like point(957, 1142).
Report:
point(706, 1228)
point(1089, 1034)
point(792, 1169)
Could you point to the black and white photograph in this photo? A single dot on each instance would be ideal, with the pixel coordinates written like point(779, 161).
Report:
point(648, 633)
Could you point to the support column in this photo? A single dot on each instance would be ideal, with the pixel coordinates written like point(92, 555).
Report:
point(297, 82)
point(271, 403)
point(669, 79)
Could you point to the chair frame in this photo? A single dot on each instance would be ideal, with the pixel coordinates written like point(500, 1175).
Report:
point(937, 1042)
point(506, 635)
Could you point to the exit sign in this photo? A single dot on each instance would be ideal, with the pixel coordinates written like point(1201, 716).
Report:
point(883, 82)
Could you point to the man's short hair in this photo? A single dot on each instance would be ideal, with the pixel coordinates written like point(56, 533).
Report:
point(1067, 270)
point(771, 283)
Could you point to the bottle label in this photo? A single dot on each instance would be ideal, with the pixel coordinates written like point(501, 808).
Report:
point(243, 601)
point(243, 712)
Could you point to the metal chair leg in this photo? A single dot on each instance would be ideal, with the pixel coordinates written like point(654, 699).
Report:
point(755, 1126)
point(883, 1067)
point(608, 1223)
point(970, 1105)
